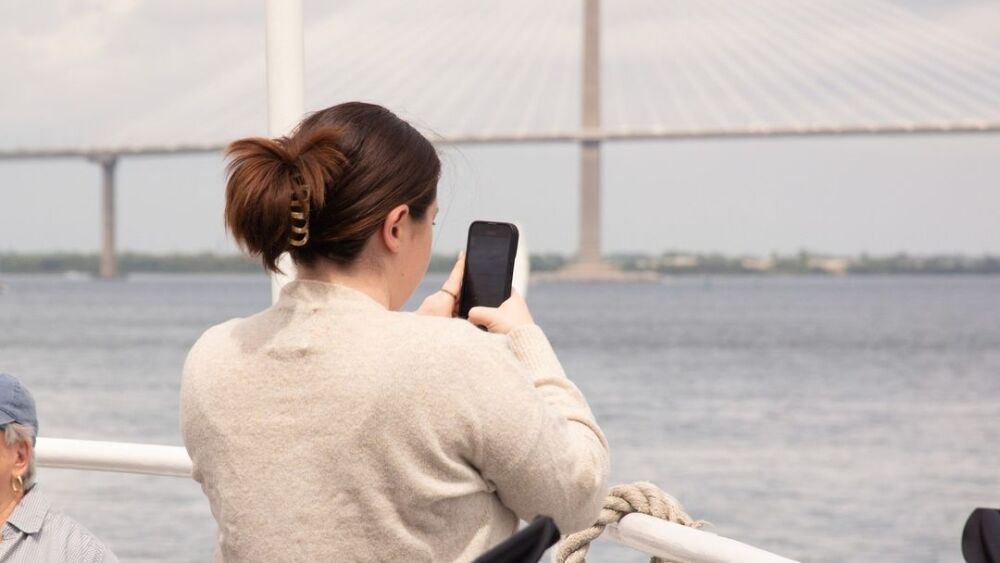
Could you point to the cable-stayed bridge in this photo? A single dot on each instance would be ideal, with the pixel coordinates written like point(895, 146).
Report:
point(579, 72)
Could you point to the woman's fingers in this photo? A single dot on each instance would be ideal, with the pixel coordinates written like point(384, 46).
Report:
point(484, 316)
point(515, 310)
point(511, 314)
point(454, 281)
point(445, 303)
point(436, 304)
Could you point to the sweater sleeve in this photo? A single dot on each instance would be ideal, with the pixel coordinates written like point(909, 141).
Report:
point(538, 442)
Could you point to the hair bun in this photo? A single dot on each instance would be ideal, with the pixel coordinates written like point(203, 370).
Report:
point(323, 191)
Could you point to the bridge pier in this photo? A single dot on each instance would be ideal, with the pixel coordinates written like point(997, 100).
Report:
point(590, 203)
point(109, 260)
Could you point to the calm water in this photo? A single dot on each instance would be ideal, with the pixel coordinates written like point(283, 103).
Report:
point(823, 419)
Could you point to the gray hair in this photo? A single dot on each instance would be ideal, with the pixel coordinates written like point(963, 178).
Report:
point(12, 434)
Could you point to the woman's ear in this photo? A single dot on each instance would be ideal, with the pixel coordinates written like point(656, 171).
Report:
point(23, 451)
point(392, 228)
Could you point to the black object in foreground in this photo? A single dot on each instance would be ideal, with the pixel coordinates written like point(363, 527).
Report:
point(981, 537)
point(526, 546)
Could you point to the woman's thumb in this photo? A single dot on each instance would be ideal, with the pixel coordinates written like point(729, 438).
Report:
point(483, 316)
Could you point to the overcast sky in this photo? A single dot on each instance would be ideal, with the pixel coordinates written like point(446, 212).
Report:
point(142, 71)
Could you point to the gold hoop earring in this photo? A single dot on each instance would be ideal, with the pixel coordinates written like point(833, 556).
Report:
point(17, 483)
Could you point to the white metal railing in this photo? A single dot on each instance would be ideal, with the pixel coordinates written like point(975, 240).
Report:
point(649, 535)
point(89, 455)
point(674, 542)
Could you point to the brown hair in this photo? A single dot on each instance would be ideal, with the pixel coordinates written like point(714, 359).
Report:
point(345, 166)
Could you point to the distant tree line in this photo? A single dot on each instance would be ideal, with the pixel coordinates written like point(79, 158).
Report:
point(128, 262)
point(674, 263)
point(131, 262)
point(804, 263)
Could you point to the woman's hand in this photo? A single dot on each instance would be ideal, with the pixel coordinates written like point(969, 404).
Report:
point(511, 314)
point(444, 302)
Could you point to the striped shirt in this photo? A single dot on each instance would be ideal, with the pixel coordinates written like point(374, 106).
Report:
point(35, 532)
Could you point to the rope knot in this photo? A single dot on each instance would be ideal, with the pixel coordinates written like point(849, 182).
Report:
point(641, 497)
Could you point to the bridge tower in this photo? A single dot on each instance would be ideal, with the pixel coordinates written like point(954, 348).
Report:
point(588, 264)
point(590, 149)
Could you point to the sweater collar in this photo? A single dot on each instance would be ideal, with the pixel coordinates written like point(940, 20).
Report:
point(323, 294)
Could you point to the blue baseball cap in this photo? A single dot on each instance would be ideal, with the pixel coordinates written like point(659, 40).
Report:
point(16, 403)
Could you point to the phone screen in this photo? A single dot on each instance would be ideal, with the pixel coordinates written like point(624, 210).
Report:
point(489, 265)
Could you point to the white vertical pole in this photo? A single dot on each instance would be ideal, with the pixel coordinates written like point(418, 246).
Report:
point(285, 85)
point(522, 263)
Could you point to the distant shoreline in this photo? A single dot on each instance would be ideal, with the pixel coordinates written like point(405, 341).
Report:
point(669, 263)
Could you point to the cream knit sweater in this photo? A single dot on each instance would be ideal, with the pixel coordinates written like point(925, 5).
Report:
point(327, 428)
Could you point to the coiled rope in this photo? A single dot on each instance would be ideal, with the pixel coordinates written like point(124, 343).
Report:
point(641, 497)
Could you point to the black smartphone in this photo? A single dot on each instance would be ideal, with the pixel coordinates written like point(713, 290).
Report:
point(489, 265)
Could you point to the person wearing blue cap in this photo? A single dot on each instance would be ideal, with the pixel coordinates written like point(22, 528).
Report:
point(32, 530)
